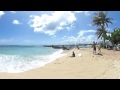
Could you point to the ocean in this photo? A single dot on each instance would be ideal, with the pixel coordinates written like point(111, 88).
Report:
point(16, 59)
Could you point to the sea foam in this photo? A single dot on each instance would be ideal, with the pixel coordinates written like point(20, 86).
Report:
point(19, 63)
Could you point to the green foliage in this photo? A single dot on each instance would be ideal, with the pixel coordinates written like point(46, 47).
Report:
point(101, 33)
point(115, 36)
point(102, 45)
point(101, 21)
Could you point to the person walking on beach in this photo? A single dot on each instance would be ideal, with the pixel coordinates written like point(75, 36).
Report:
point(99, 48)
point(94, 48)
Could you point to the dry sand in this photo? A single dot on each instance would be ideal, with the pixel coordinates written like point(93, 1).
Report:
point(84, 66)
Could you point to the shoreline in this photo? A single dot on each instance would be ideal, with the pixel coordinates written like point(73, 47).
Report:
point(80, 67)
point(23, 64)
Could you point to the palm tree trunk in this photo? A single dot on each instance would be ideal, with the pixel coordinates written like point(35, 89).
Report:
point(104, 42)
point(104, 33)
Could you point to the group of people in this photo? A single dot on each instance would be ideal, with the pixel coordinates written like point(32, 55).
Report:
point(95, 45)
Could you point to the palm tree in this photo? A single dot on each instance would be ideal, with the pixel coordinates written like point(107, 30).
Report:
point(101, 33)
point(101, 21)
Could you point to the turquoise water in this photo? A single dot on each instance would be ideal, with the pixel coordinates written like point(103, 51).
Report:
point(15, 59)
point(26, 50)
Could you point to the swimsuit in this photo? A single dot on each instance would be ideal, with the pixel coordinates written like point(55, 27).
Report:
point(94, 48)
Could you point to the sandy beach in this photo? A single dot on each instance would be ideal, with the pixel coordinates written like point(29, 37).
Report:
point(84, 66)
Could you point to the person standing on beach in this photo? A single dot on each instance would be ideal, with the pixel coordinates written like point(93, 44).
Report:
point(73, 55)
point(94, 48)
point(99, 48)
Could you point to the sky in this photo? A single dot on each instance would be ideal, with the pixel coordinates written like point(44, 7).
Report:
point(50, 27)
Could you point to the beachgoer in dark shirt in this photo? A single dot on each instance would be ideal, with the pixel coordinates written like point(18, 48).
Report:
point(94, 48)
point(73, 55)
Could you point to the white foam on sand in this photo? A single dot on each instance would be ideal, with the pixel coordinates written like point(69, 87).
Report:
point(17, 63)
point(80, 55)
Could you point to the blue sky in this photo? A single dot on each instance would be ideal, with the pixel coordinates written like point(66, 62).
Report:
point(50, 27)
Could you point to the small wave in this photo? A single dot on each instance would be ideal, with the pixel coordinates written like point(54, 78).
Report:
point(56, 55)
point(19, 63)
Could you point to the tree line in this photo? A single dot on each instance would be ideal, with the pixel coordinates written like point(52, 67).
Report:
point(101, 20)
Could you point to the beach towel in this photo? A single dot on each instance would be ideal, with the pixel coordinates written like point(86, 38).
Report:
point(79, 54)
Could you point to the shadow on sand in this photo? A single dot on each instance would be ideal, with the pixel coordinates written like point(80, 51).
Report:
point(71, 56)
point(99, 54)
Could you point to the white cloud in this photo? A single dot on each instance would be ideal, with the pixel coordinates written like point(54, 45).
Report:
point(72, 26)
point(80, 38)
point(16, 22)
point(82, 32)
point(108, 29)
point(50, 24)
point(68, 28)
point(64, 37)
point(79, 11)
point(108, 34)
point(1, 13)
point(50, 32)
point(54, 36)
point(13, 12)
point(89, 39)
point(86, 39)
point(69, 40)
point(72, 39)
point(87, 13)
point(90, 25)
